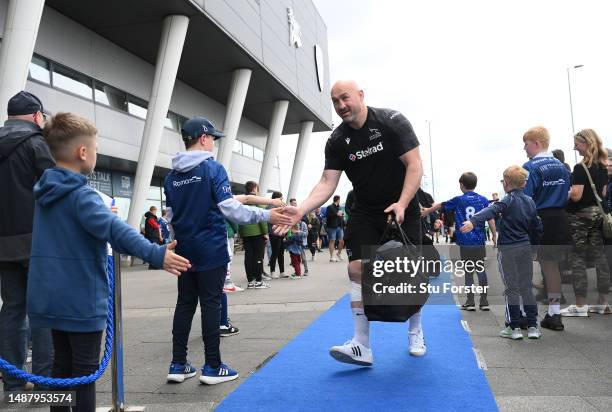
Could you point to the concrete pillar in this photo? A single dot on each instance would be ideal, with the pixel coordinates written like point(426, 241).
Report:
point(20, 31)
point(168, 58)
point(276, 130)
point(300, 155)
point(233, 112)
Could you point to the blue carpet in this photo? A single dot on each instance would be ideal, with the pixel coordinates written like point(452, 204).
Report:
point(303, 377)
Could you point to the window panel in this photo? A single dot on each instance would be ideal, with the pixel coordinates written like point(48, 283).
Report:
point(39, 70)
point(110, 96)
point(247, 150)
point(258, 154)
point(171, 121)
point(72, 81)
point(137, 107)
point(237, 146)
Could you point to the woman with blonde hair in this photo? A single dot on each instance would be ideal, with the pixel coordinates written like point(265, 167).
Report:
point(585, 223)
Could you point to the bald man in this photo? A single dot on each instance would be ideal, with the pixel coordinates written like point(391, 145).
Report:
point(378, 150)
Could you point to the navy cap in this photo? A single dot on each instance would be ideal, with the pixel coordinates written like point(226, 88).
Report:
point(197, 126)
point(24, 103)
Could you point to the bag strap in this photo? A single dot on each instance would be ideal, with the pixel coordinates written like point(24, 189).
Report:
point(405, 240)
point(594, 189)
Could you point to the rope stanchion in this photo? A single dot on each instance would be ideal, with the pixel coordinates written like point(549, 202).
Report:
point(11, 370)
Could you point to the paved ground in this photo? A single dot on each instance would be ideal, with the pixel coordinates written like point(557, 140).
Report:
point(567, 371)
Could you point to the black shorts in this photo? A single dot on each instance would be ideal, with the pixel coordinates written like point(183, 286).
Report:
point(556, 240)
point(366, 229)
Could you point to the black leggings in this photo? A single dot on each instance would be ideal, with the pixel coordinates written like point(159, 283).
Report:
point(278, 253)
point(77, 354)
point(254, 248)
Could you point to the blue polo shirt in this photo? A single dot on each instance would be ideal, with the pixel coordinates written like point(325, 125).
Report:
point(465, 207)
point(199, 225)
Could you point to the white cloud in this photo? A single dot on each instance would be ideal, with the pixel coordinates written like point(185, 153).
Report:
point(483, 72)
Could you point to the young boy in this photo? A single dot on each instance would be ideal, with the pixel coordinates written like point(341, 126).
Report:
point(295, 246)
point(520, 227)
point(471, 245)
point(67, 282)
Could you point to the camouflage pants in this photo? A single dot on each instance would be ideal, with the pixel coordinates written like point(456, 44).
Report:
point(585, 227)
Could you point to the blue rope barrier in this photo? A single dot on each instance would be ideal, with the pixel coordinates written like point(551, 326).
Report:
point(11, 370)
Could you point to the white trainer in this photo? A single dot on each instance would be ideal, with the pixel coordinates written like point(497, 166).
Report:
point(601, 309)
point(352, 352)
point(417, 343)
point(575, 311)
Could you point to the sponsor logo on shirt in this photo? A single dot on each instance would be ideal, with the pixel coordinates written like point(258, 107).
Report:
point(227, 189)
point(194, 179)
point(347, 140)
point(362, 154)
point(375, 134)
point(554, 182)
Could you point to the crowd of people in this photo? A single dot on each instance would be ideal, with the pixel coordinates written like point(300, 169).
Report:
point(60, 288)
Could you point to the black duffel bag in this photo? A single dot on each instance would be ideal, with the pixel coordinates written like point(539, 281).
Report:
point(384, 305)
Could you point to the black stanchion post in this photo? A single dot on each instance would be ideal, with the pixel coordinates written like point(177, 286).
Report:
point(117, 370)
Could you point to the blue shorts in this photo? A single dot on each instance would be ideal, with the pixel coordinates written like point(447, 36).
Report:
point(335, 233)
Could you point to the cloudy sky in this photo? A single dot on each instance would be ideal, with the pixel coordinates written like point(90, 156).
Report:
point(482, 72)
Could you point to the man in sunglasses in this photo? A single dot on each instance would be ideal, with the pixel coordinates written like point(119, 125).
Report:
point(24, 156)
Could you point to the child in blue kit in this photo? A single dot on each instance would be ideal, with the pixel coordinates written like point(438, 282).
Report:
point(67, 281)
point(472, 244)
point(520, 227)
point(295, 246)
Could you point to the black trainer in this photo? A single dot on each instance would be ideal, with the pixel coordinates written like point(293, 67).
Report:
point(484, 304)
point(469, 306)
point(552, 322)
point(228, 331)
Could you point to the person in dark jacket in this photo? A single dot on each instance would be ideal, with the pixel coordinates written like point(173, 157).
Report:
point(152, 229)
point(520, 227)
point(24, 156)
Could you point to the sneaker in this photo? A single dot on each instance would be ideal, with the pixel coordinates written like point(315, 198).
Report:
point(222, 374)
point(339, 257)
point(352, 352)
point(180, 371)
point(515, 334)
point(251, 285)
point(231, 288)
point(265, 276)
point(575, 311)
point(225, 331)
point(417, 343)
point(260, 285)
point(601, 309)
point(469, 306)
point(273, 275)
point(294, 276)
point(552, 322)
point(533, 332)
point(484, 304)
point(305, 273)
point(283, 275)
point(333, 259)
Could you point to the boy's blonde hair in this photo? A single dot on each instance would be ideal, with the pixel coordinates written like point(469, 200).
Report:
point(538, 134)
point(516, 177)
point(63, 130)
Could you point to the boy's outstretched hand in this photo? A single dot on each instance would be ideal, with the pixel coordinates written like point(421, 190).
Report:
point(174, 263)
point(467, 227)
point(277, 217)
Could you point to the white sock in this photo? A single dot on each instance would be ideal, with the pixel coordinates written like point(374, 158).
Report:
point(414, 323)
point(362, 327)
point(554, 306)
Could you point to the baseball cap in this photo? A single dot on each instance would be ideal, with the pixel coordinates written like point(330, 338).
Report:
point(197, 126)
point(24, 103)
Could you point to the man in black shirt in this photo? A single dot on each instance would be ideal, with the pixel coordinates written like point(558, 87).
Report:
point(335, 229)
point(378, 150)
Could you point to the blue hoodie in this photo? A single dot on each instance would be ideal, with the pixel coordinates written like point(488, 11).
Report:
point(67, 283)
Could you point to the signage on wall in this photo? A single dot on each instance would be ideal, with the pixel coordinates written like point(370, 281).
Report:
point(295, 32)
point(101, 181)
point(123, 184)
point(319, 65)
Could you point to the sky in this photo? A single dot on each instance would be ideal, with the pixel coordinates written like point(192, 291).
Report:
point(481, 72)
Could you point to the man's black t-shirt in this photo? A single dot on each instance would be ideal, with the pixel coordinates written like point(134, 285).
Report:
point(370, 158)
point(599, 174)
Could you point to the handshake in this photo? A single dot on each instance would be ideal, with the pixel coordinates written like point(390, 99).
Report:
point(283, 218)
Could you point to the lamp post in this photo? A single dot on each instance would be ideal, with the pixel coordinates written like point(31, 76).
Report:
point(569, 87)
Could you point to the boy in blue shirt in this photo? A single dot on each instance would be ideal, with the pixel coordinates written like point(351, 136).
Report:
point(520, 227)
point(472, 244)
point(198, 200)
point(67, 281)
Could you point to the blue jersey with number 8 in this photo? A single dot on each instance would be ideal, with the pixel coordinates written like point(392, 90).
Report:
point(466, 206)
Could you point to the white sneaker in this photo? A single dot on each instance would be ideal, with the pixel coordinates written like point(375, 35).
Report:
point(601, 309)
point(261, 285)
point(533, 333)
point(273, 275)
point(575, 311)
point(339, 257)
point(333, 259)
point(417, 343)
point(352, 352)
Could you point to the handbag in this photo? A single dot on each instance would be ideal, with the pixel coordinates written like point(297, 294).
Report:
point(606, 226)
point(389, 306)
